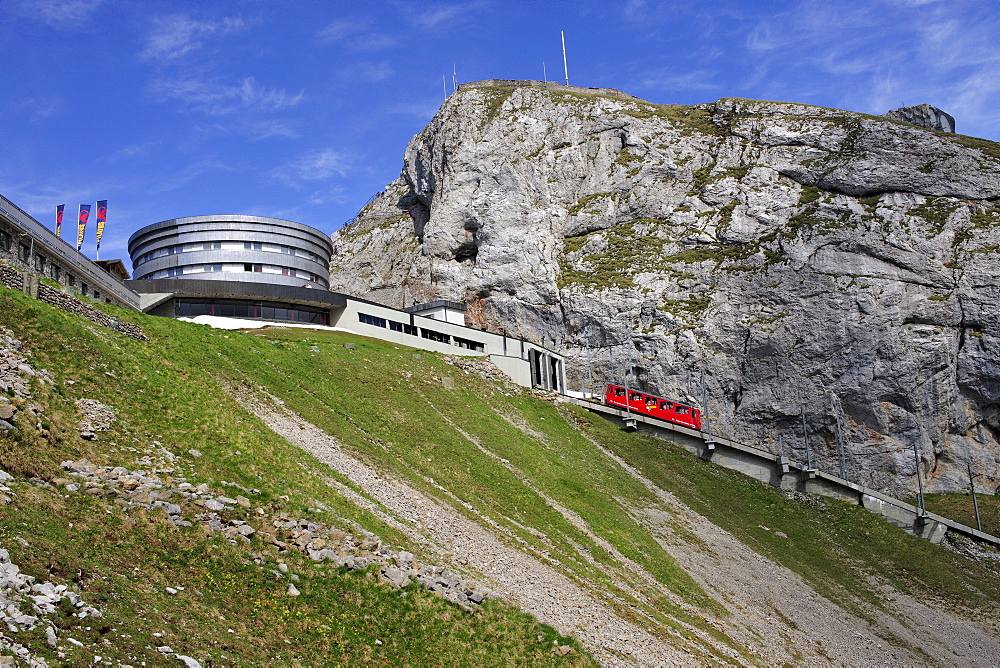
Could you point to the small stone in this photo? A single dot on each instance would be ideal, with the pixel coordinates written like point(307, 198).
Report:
point(781, 534)
point(212, 504)
point(562, 650)
point(243, 501)
point(188, 661)
point(194, 453)
point(129, 484)
point(6, 426)
point(164, 649)
point(378, 642)
point(50, 636)
point(88, 435)
point(7, 411)
point(171, 590)
point(292, 591)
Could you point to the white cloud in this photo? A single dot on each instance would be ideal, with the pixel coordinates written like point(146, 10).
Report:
point(442, 16)
point(317, 165)
point(174, 35)
point(61, 14)
point(221, 100)
point(356, 35)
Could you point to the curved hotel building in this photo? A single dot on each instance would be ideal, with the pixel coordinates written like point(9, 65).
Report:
point(251, 249)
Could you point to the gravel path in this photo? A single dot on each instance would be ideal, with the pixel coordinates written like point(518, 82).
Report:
point(775, 614)
point(532, 585)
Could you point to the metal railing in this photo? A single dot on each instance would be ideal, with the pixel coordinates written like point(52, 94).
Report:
point(80, 263)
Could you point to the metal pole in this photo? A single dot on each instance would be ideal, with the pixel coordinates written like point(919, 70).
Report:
point(628, 372)
point(590, 368)
point(805, 439)
point(545, 77)
point(975, 503)
point(781, 447)
point(704, 407)
point(920, 483)
point(444, 86)
point(840, 443)
point(565, 67)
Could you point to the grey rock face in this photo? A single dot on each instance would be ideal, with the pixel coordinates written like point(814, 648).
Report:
point(925, 116)
point(798, 256)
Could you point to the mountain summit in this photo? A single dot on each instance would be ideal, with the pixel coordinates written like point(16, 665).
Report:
point(808, 261)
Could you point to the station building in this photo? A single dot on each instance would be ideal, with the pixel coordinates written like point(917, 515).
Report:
point(267, 269)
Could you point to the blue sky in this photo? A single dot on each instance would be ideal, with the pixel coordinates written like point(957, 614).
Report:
point(302, 109)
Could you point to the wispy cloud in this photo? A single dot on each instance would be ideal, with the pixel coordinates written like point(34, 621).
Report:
point(667, 79)
point(189, 173)
point(61, 14)
point(317, 165)
point(435, 17)
point(356, 35)
point(174, 35)
point(220, 100)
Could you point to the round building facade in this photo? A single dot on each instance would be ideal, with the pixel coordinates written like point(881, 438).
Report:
point(247, 249)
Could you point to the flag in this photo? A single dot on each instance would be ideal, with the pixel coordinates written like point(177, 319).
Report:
point(82, 225)
point(59, 215)
point(102, 219)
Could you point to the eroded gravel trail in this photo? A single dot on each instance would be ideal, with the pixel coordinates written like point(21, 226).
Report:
point(532, 585)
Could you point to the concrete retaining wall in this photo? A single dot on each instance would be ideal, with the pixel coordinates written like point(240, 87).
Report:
point(785, 474)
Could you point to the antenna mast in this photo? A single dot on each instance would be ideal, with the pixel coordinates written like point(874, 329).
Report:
point(444, 87)
point(545, 77)
point(454, 78)
point(562, 33)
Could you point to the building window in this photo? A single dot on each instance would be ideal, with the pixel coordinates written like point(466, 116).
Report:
point(247, 266)
point(5, 240)
point(174, 250)
point(176, 271)
point(39, 262)
point(70, 280)
point(371, 320)
point(286, 271)
point(252, 245)
point(83, 289)
point(97, 295)
point(54, 271)
point(471, 345)
point(211, 245)
point(213, 267)
point(23, 252)
point(434, 336)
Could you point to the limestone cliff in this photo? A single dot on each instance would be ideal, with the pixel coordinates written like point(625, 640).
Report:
point(795, 255)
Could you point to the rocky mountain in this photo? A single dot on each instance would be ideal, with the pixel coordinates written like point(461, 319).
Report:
point(801, 260)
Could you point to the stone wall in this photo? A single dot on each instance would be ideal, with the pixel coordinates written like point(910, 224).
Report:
point(24, 282)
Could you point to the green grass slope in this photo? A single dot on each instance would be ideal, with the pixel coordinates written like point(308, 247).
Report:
point(537, 469)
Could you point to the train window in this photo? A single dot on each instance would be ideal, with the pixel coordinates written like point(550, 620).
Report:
point(650, 401)
point(681, 410)
point(634, 396)
point(619, 392)
point(666, 406)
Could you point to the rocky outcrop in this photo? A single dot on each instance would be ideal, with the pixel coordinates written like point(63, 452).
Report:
point(802, 258)
point(925, 116)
